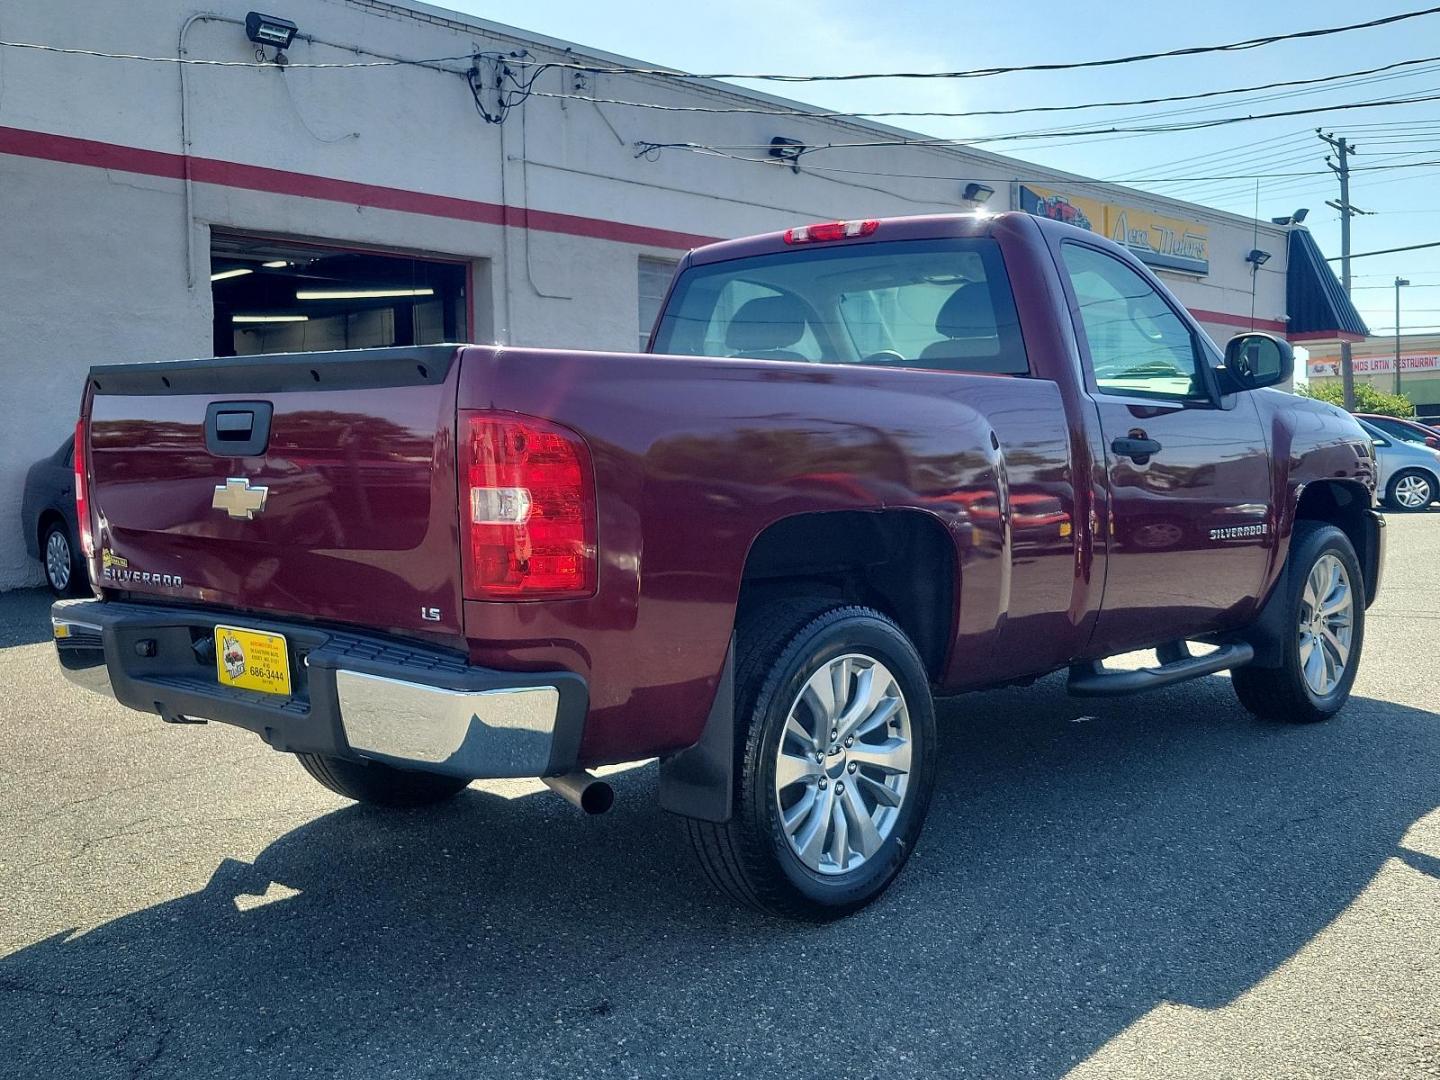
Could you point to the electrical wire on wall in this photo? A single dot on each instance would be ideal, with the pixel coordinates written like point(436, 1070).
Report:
point(509, 89)
point(500, 81)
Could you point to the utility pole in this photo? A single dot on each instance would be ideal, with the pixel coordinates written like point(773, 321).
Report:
point(1343, 149)
point(1399, 281)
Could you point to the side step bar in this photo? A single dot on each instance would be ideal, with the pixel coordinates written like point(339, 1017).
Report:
point(1091, 679)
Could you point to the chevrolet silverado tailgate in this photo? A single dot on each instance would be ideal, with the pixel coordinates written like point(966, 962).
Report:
point(316, 484)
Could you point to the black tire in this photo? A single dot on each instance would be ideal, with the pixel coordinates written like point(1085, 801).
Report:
point(1282, 693)
point(749, 858)
point(377, 784)
point(1393, 501)
point(77, 581)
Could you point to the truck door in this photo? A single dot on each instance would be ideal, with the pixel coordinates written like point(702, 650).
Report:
point(1189, 526)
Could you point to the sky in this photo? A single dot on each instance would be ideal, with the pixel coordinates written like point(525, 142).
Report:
point(832, 36)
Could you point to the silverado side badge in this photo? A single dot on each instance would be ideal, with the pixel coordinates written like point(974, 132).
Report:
point(239, 499)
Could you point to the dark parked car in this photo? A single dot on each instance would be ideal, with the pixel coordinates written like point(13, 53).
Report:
point(1410, 431)
point(48, 514)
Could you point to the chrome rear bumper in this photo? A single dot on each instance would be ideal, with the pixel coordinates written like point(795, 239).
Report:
point(462, 732)
point(353, 696)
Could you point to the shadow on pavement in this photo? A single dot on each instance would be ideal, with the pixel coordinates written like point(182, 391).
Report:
point(1083, 862)
point(25, 617)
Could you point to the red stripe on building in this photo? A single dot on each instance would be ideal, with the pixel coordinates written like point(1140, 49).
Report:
point(103, 155)
point(1273, 326)
point(1327, 335)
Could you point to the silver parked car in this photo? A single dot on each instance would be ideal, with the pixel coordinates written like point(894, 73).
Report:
point(1409, 473)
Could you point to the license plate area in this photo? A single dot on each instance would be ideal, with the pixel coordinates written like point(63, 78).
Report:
point(252, 660)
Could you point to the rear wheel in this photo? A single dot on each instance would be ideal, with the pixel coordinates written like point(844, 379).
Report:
point(1325, 617)
point(378, 784)
point(1410, 490)
point(836, 730)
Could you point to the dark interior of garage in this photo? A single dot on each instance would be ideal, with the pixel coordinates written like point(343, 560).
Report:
point(274, 296)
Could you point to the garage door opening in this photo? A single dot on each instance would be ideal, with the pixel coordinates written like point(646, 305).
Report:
point(274, 296)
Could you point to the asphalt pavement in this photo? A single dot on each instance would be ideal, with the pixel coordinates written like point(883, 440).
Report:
point(1145, 887)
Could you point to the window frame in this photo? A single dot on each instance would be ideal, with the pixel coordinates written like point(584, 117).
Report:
point(1207, 398)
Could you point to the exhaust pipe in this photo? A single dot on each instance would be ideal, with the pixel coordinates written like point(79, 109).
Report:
point(582, 791)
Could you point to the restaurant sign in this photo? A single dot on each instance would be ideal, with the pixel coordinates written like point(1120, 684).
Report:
point(1375, 365)
point(1155, 239)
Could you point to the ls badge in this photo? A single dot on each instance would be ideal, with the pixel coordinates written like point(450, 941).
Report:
point(239, 499)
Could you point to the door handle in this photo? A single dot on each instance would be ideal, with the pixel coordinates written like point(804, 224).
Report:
point(1137, 450)
point(238, 428)
point(234, 426)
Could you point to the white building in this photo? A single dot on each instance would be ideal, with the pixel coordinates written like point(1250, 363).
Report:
point(127, 186)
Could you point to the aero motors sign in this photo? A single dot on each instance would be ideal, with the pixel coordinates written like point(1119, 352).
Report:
point(1161, 241)
point(1375, 365)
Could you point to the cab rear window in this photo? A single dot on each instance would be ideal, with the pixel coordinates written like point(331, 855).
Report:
point(940, 304)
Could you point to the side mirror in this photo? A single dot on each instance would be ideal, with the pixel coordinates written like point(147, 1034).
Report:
point(1255, 360)
point(1432, 442)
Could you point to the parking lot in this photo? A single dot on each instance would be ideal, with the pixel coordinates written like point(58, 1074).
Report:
point(1152, 886)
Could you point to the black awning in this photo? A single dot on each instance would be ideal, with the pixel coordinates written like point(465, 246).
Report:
point(1314, 298)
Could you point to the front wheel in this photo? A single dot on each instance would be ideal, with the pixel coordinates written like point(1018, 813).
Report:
point(1325, 620)
point(1410, 490)
point(837, 729)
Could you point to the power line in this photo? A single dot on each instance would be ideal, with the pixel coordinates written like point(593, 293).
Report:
point(1390, 251)
point(1275, 142)
point(722, 152)
point(1211, 191)
point(1290, 157)
point(1193, 125)
point(975, 73)
point(801, 113)
point(1151, 116)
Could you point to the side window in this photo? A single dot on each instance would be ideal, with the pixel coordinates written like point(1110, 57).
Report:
point(655, 275)
point(1138, 345)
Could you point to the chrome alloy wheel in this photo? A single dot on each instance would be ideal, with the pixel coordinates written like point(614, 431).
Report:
point(1327, 620)
point(1413, 492)
point(57, 560)
point(843, 764)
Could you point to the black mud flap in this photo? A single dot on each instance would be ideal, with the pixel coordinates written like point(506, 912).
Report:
point(699, 781)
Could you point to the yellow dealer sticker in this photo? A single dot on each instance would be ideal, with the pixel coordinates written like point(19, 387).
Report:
point(251, 660)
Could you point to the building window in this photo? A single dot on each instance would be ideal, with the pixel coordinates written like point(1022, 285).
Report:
point(655, 275)
point(280, 296)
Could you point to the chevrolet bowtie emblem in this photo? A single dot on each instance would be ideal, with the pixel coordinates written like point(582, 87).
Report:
point(238, 499)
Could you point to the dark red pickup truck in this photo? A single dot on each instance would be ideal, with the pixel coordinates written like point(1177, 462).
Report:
point(863, 463)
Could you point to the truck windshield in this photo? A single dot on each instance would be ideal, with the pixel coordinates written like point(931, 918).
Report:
point(939, 304)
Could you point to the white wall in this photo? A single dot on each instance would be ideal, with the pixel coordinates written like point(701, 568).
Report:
point(93, 261)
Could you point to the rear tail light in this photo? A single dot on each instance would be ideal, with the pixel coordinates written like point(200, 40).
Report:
point(830, 230)
point(527, 503)
point(82, 491)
